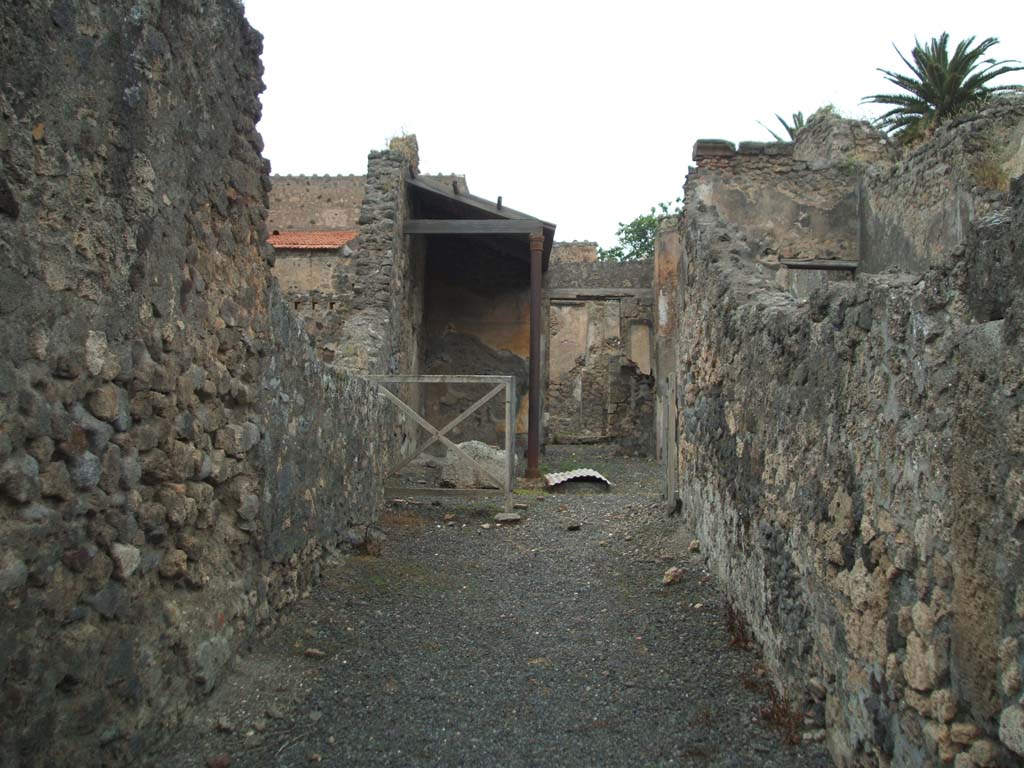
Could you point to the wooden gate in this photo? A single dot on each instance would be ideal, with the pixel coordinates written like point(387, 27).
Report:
point(499, 384)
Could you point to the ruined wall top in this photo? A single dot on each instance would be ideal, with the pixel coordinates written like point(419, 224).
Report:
point(574, 251)
point(600, 274)
point(315, 202)
point(705, 150)
point(409, 148)
point(844, 190)
point(788, 208)
point(829, 138)
point(327, 202)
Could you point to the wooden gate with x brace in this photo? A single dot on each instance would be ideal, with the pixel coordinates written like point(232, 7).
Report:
point(499, 383)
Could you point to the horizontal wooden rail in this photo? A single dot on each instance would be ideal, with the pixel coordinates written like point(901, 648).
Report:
point(499, 384)
point(472, 226)
point(825, 264)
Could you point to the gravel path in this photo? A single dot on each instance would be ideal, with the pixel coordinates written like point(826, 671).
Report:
point(520, 645)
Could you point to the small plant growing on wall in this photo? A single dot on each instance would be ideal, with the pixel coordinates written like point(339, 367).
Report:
point(940, 86)
point(636, 238)
point(791, 130)
point(988, 172)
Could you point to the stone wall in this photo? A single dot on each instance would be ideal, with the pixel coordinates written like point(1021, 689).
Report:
point(667, 303)
point(173, 457)
point(921, 205)
point(362, 304)
point(320, 288)
point(599, 274)
point(599, 361)
point(789, 208)
point(315, 202)
point(377, 292)
point(844, 191)
point(854, 466)
point(574, 251)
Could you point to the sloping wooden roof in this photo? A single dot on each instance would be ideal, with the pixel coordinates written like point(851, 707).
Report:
point(448, 202)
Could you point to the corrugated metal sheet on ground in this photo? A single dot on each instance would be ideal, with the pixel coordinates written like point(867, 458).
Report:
point(556, 478)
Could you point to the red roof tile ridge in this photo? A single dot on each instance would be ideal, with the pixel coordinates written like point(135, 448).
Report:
point(312, 240)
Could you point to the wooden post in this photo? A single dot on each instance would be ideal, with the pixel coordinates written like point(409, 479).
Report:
point(510, 440)
point(533, 437)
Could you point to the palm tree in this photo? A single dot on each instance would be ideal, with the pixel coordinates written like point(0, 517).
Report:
point(792, 130)
point(941, 86)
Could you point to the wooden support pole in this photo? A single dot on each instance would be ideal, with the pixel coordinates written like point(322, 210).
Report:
point(533, 437)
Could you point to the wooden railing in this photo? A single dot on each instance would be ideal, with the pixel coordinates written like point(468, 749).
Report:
point(499, 384)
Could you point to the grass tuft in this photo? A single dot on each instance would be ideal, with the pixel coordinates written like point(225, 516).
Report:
point(780, 714)
point(737, 627)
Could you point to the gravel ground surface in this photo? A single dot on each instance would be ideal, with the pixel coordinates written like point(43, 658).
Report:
point(527, 644)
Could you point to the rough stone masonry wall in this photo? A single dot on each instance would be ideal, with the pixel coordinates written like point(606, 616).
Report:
point(173, 456)
point(599, 382)
point(345, 298)
point(342, 295)
point(854, 467)
point(377, 322)
point(320, 288)
point(315, 202)
point(574, 251)
point(790, 207)
point(921, 205)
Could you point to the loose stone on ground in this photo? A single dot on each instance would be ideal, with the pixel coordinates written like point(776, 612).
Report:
point(524, 646)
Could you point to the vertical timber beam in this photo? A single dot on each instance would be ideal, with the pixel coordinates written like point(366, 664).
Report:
point(533, 436)
point(510, 440)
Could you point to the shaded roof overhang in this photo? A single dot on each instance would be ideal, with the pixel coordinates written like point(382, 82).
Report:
point(446, 210)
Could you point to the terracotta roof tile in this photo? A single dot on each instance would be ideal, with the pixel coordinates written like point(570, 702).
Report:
point(312, 241)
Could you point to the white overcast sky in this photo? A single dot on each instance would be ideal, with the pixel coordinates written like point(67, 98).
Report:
point(582, 113)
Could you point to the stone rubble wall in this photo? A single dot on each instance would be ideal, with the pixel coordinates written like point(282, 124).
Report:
point(320, 288)
point(789, 208)
point(315, 202)
point(362, 321)
point(599, 367)
point(574, 251)
point(343, 296)
point(828, 138)
point(360, 303)
point(174, 459)
point(853, 464)
point(599, 274)
point(920, 206)
point(302, 203)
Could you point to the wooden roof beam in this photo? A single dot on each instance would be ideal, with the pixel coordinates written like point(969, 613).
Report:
point(473, 226)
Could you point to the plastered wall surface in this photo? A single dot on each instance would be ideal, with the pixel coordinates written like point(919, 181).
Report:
point(600, 385)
